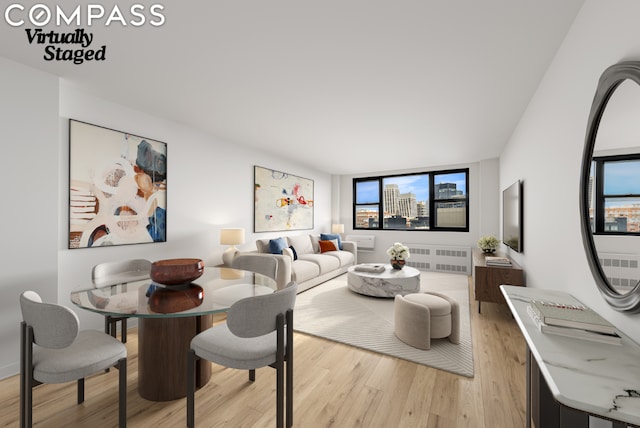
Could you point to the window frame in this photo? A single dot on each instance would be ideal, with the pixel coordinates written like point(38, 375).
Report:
point(432, 201)
point(600, 197)
point(377, 204)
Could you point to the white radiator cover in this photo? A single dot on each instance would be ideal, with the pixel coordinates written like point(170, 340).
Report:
point(622, 270)
point(440, 258)
point(365, 242)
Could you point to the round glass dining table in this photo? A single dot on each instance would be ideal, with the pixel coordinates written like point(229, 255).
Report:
point(169, 317)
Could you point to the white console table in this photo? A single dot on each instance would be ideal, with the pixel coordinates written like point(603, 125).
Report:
point(569, 379)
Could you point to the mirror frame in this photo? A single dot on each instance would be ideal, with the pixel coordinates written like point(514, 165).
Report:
point(611, 78)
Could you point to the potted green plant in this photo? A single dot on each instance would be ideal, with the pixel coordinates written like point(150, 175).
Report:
point(488, 243)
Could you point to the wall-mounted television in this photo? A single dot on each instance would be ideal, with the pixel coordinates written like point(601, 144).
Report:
point(512, 216)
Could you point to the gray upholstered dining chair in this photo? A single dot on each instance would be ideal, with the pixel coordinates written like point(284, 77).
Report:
point(259, 263)
point(258, 333)
point(53, 350)
point(119, 272)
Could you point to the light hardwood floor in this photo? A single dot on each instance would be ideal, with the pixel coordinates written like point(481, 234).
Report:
point(335, 386)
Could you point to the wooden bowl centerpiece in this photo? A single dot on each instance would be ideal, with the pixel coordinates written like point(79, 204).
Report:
point(176, 299)
point(176, 271)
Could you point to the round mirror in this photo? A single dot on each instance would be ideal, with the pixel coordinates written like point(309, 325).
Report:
point(610, 186)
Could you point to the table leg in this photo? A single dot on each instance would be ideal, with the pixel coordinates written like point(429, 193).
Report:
point(528, 389)
point(162, 356)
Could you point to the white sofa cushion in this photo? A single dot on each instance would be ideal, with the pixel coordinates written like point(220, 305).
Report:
point(263, 246)
point(302, 244)
point(345, 257)
point(302, 270)
point(325, 263)
point(314, 243)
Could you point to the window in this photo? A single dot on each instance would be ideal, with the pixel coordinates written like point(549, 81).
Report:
point(614, 202)
point(421, 201)
point(367, 206)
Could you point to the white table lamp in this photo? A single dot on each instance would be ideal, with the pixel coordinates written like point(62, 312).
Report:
point(337, 228)
point(231, 237)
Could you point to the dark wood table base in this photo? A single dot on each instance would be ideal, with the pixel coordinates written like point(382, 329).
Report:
point(162, 356)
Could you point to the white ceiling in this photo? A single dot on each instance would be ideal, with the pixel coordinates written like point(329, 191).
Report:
point(345, 86)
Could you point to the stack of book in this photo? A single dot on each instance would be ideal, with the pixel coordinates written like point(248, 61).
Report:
point(571, 320)
point(497, 261)
point(371, 268)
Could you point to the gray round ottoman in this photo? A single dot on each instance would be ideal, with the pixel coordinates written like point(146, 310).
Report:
point(420, 317)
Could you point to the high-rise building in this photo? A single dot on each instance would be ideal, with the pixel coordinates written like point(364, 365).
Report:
point(446, 191)
point(407, 205)
point(422, 208)
point(391, 195)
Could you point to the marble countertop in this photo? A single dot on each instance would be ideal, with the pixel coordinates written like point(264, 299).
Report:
point(597, 378)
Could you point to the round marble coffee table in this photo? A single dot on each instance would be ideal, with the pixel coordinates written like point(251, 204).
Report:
point(384, 284)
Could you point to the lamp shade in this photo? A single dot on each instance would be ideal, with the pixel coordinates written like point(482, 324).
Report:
point(337, 228)
point(232, 236)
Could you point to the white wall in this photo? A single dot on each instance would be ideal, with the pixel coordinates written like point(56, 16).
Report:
point(29, 177)
point(545, 152)
point(210, 186)
point(489, 213)
point(483, 211)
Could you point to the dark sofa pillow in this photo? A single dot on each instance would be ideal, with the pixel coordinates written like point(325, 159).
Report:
point(277, 245)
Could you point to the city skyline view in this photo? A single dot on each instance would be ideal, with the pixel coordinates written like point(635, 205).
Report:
point(621, 185)
point(418, 184)
point(403, 202)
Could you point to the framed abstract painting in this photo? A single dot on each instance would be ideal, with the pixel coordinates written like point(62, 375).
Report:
point(281, 201)
point(117, 187)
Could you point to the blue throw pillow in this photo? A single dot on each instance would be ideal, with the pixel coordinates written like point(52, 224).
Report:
point(277, 245)
point(330, 236)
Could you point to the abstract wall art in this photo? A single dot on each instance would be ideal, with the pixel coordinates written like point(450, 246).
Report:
point(281, 201)
point(117, 187)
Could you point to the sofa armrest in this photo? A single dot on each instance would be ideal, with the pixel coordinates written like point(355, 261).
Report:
point(352, 247)
point(283, 272)
point(283, 276)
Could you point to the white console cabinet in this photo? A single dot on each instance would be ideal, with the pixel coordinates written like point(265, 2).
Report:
point(571, 381)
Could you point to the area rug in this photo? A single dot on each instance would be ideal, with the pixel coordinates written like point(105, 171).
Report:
point(332, 311)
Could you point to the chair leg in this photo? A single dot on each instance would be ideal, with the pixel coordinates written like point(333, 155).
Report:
point(26, 415)
point(280, 371)
point(122, 392)
point(81, 391)
point(289, 357)
point(191, 387)
point(23, 374)
point(252, 375)
point(123, 333)
point(28, 408)
point(108, 330)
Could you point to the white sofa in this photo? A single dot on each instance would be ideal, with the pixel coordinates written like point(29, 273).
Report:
point(311, 266)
